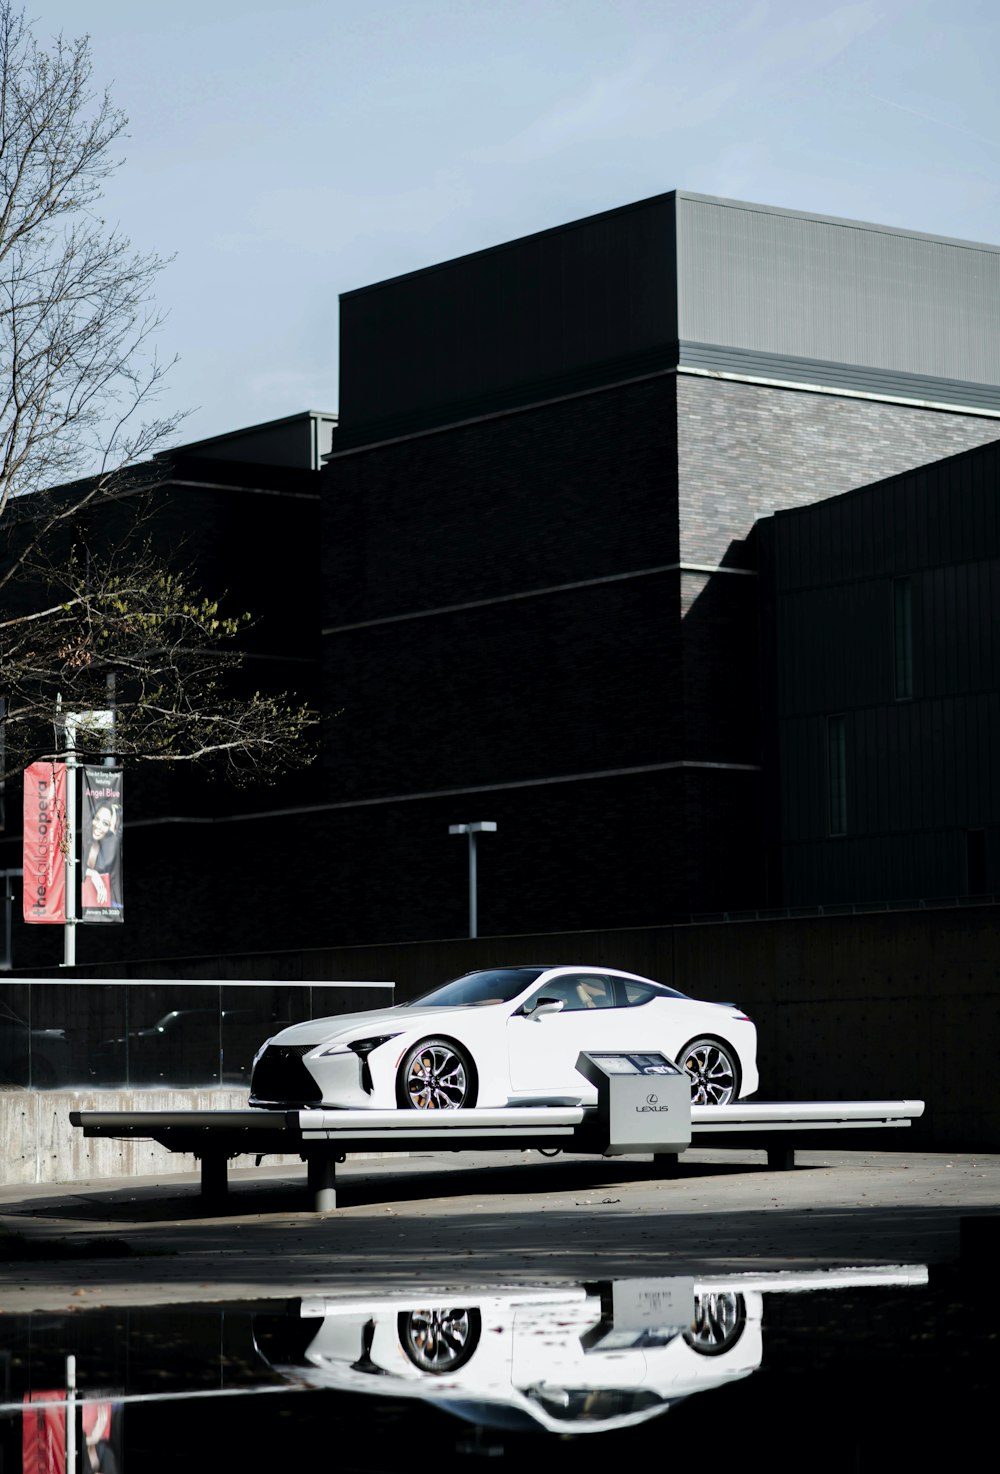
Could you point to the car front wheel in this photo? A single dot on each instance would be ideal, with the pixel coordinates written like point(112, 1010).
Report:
point(715, 1078)
point(436, 1075)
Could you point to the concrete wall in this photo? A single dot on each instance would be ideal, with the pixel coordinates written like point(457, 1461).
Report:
point(852, 1007)
point(38, 1144)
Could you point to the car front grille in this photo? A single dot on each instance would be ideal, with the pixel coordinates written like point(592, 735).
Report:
point(280, 1077)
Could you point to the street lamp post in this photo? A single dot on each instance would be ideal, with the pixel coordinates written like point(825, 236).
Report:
point(6, 958)
point(473, 831)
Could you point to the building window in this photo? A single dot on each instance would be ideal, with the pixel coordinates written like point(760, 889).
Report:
point(902, 636)
point(975, 862)
point(836, 757)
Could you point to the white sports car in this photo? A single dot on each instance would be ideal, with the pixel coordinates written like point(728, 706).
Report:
point(505, 1036)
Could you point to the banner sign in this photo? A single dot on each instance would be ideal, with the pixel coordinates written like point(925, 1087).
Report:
point(43, 1434)
point(44, 855)
point(101, 818)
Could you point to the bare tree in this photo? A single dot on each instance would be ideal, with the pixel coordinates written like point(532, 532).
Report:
point(119, 629)
point(77, 363)
point(82, 615)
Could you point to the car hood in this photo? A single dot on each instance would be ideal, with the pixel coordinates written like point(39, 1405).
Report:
point(348, 1026)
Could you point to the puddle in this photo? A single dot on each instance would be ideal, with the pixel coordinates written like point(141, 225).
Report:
point(838, 1369)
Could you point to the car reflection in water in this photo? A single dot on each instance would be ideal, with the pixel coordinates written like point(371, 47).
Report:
point(519, 1372)
point(580, 1359)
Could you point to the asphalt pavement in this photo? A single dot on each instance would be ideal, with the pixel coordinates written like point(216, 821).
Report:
point(466, 1218)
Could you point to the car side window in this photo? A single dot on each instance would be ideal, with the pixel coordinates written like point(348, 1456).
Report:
point(580, 990)
point(636, 993)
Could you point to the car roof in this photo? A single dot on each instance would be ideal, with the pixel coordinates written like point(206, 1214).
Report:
point(556, 966)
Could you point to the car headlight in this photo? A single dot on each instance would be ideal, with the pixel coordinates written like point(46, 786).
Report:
point(361, 1047)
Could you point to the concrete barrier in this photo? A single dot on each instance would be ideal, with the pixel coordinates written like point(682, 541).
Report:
point(38, 1144)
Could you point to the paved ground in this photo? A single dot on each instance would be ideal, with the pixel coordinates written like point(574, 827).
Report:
point(467, 1218)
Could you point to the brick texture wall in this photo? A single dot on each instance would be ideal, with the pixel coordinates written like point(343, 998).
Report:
point(583, 488)
point(745, 450)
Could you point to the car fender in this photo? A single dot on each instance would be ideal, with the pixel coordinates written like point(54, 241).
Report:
point(487, 1052)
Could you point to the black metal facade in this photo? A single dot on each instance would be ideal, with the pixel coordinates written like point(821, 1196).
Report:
point(886, 675)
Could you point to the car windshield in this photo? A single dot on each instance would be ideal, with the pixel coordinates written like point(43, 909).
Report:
point(497, 986)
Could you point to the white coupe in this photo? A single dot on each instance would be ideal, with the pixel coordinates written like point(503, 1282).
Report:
point(505, 1036)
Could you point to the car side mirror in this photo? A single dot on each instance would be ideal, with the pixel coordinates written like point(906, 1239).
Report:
point(541, 1006)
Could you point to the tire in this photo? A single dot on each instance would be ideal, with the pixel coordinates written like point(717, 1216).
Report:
point(439, 1341)
point(715, 1075)
point(719, 1321)
point(436, 1075)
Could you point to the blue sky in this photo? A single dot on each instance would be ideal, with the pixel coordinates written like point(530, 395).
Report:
point(284, 153)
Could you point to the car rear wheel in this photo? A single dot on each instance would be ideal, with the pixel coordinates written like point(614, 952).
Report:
point(718, 1322)
point(715, 1076)
point(436, 1075)
point(439, 1341)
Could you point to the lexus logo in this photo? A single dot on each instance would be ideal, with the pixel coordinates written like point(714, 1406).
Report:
point(652, 1099)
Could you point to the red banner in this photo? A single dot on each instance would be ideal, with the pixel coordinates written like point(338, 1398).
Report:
point(44, 858)
point(43, 1437)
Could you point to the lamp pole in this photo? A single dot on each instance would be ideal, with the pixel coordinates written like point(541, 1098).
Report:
point(69, 927)
point(6, 960)
point(484, 826)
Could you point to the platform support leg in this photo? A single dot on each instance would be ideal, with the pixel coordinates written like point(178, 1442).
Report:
point(321, 1169)
point(214, 1181)
point(781, 1157)
point(666, 1164)
point(979, 1239)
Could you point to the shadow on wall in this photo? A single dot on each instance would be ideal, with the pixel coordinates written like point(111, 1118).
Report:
point(722, 741)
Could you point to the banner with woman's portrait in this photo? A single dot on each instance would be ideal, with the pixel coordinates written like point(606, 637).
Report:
point(101, 820)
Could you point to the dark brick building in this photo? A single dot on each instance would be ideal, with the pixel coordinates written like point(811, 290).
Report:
point(541, 569)
point(242, 511)
point(529, 572)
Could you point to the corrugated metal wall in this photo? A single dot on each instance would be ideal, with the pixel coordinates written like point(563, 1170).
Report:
point(922, 770)
point(782, 283)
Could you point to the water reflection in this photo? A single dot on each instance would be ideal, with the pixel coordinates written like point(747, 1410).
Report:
point(577, 1359)
point(536, 1365)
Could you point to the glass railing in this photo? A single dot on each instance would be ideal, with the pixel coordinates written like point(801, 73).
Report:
point(117, 1035)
